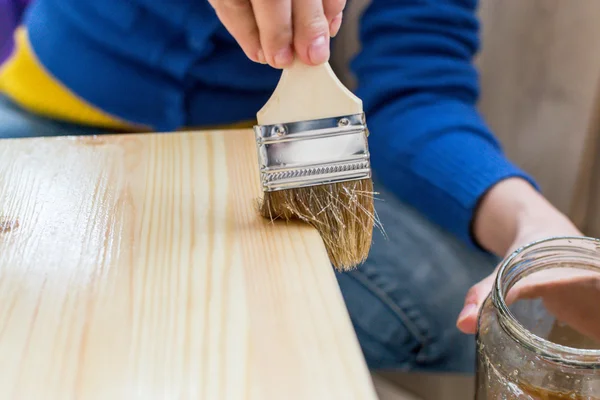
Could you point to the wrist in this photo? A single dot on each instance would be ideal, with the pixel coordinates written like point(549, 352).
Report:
point(509, 210)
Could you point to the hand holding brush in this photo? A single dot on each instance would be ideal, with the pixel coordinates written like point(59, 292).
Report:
point(315, 163)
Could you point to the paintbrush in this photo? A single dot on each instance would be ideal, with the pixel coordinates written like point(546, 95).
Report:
point(314, 161)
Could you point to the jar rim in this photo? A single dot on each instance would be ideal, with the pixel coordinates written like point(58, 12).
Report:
point(565, 355)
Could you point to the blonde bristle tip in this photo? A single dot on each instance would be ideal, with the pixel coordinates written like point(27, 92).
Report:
point(343, 214)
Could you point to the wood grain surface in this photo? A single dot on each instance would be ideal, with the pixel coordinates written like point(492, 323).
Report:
point(136, 267)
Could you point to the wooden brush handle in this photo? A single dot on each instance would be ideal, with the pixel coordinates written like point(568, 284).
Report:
point(308, 92)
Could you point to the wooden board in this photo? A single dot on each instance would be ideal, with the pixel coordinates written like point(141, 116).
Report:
point(136, 267)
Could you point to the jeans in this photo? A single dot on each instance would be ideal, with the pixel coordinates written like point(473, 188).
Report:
point(403, 301)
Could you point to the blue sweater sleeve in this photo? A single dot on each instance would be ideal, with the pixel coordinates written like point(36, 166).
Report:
point(429, 145)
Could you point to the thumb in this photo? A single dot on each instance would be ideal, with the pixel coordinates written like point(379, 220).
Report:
point(467, 320)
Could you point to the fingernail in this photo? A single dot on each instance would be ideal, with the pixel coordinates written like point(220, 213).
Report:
point(318, 52)
point(261, 57)
point(466, 312)
point(334, 26)
point(283, 58)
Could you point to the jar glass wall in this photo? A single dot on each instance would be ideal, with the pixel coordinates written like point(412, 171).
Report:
point(539, 330)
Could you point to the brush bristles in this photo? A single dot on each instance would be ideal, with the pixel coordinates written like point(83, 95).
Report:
point(343, 214)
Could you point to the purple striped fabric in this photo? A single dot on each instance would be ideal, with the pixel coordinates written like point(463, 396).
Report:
point(11, 12)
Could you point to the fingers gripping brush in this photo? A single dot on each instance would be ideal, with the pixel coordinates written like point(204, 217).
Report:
point(314, 161)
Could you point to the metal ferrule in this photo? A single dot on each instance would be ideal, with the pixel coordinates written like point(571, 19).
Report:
point(315, 152)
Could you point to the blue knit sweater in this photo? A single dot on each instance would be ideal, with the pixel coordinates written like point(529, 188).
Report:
point(169, 64)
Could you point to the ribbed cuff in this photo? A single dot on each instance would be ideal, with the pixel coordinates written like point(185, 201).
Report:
point(441, 159)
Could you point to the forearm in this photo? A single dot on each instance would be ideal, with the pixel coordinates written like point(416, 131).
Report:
point(511, 209)
point(429, 144)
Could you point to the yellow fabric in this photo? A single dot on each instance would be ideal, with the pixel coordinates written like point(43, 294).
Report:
point(235, 125)
point(25, 81)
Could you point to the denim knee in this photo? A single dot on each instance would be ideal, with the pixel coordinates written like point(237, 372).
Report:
point(404, 300)
point(16, 122)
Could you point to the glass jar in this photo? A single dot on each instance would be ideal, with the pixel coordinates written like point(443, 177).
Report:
point(524, 351)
